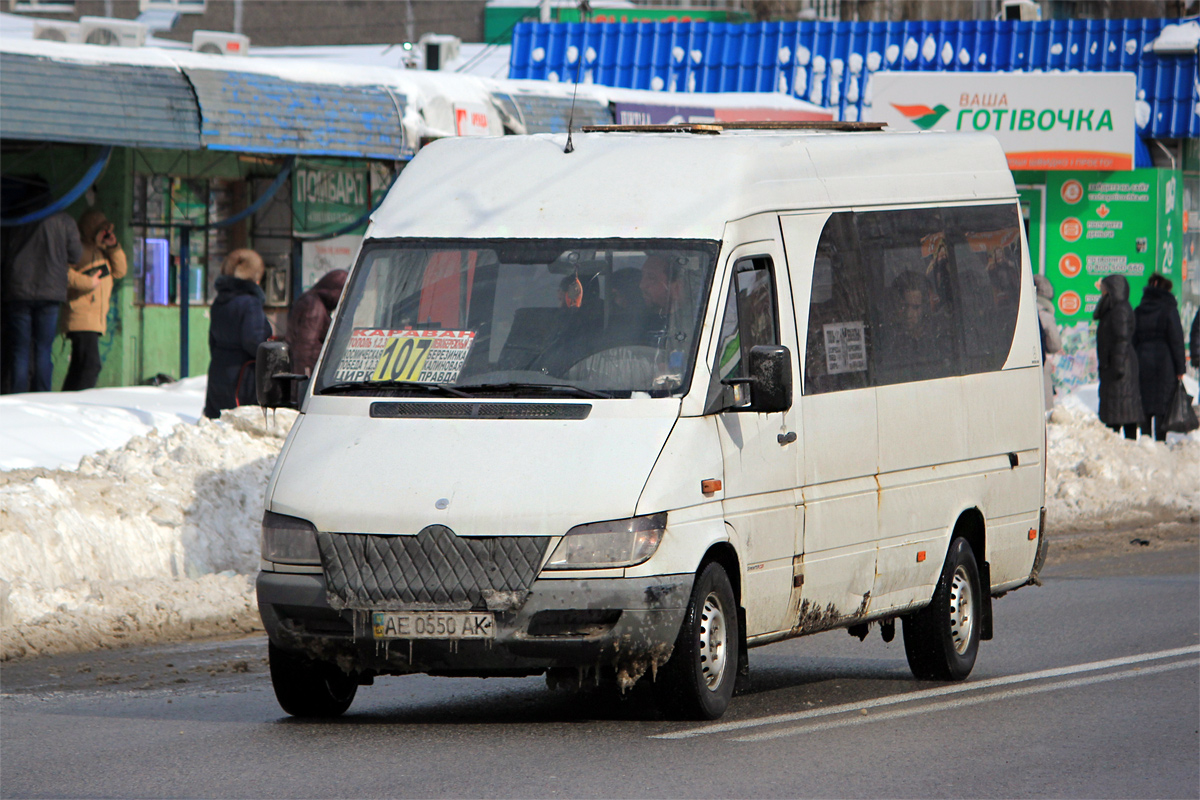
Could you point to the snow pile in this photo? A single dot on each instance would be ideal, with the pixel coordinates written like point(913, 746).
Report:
point(56, 429)
point(1096, 478)
point(158, 539)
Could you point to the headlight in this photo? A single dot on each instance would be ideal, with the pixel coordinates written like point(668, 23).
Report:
point(288, 540)
point(616, 543)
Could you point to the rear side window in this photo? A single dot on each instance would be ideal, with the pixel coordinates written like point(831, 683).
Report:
point(912, 295)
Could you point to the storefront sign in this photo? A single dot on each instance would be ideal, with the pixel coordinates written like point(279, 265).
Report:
point(325, 196)
point(1044, 121)
point(470, 120)
point(1108, 223)
point(320, 257)
point(647, 114)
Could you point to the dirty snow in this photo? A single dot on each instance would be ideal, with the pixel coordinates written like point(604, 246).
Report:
point(157, 538)
point(154, 540)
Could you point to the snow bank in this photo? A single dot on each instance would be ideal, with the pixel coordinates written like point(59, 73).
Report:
point(1096, 478)
point(56, 429)
point(157, 539)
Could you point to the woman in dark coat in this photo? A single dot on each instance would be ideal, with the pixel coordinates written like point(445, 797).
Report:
point(1120, 397)
point(309, 321)
point(1158, 340)
point(238, 325)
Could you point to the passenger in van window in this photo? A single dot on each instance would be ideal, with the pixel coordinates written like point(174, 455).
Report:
point(1158, 340)
point(1051, 341)
point(916, 345)
point(938, 272)
point(1120, 394)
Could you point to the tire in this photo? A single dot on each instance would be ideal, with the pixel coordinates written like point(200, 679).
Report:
point(942, 639)
point(697, 681)
point(307, 688)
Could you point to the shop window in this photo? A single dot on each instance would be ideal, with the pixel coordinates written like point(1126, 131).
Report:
point(912, 295)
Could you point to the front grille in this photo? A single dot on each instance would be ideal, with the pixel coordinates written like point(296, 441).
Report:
point(401, 410)
point(434, 569)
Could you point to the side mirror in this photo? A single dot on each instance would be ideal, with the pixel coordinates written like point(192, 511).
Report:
point(273, 376)
point(770, 379)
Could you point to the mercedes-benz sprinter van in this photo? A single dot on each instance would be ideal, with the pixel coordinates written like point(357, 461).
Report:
point(624, 411)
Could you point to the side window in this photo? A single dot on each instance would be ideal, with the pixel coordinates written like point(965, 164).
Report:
point(751, 318)
point(839, 329)
point(911, 281)
point(912, 295)
point(988, 256)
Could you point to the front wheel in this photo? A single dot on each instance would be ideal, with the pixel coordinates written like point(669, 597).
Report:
point(697, 681)
point(307, 688)
point(942, 639)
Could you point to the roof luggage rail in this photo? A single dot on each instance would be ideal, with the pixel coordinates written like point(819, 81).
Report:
point(718, 127)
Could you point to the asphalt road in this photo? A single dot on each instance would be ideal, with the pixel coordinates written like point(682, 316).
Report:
point(1091, 688)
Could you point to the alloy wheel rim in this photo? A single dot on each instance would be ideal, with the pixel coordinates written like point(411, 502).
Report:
point(713, 643)
point(962, 610)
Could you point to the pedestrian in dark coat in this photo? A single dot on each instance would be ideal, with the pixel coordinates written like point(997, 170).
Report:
point(33, 274)
point(1158, 340)
point(237, 326)
point(1194, 341)
point(308, 322)
point(1120, 397)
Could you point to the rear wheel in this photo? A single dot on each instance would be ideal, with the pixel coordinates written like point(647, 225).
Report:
point(308, 688)
point(942, 639)
point(697, 681)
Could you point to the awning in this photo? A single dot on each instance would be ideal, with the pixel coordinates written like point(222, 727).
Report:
point(43, 99)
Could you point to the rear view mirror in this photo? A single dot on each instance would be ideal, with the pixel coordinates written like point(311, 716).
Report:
point(770, 379)
point(273, 378)
point(770, 382)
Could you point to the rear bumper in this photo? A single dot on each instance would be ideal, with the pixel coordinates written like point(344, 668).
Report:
point(637, 633)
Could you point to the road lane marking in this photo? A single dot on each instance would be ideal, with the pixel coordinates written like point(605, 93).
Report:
point(962, 702)
point(924, 694)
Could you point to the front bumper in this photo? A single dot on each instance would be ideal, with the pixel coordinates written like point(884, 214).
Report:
point(560, 624)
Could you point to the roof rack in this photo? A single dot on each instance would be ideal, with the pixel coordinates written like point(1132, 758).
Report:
point(718, 127)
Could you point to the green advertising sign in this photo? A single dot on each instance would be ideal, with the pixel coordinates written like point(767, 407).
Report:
point(1108, 223)
point(328, 195)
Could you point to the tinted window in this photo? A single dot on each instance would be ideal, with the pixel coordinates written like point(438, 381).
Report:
point(912, 295)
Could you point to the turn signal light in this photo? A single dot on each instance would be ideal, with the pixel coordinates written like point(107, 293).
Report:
point(1032, 534)
point(710, 486)
point(920, 556)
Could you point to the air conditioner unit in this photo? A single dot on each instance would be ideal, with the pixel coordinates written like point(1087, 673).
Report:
point(54, 31)
point(220, 44)
point(112, 32)
point(438, 49)
point(1021, 11)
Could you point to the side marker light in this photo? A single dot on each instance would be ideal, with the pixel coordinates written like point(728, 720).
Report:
point(710, 486)
point(920, 556)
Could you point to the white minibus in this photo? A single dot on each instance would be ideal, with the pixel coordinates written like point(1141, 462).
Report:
point(623, 411)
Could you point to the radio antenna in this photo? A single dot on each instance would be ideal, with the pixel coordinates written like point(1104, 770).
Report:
point(585, 10)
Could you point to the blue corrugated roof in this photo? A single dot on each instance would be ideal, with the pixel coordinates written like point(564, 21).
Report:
point(256, 113)
point(830, 62)
point(42, 99)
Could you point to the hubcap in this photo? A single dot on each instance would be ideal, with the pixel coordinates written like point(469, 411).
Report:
point(962, 610)
point(712, 641)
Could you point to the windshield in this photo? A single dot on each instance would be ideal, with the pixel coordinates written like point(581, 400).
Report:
point(606, 318)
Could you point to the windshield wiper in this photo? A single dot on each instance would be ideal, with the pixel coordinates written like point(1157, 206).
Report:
point(550, 388)
point(349, 386)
